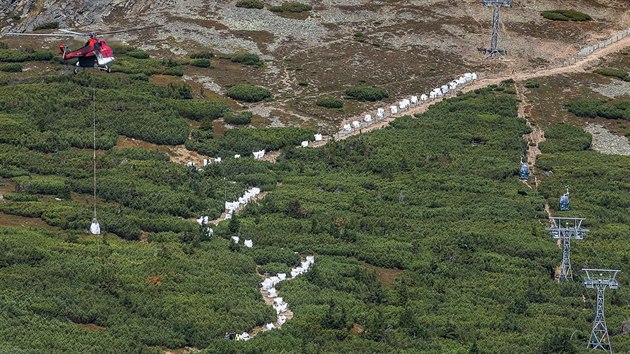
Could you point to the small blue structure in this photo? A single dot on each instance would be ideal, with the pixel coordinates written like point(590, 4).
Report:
point(564, 201)
point(524, 172)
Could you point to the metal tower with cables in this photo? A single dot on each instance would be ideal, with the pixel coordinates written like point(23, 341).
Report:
point(493, 50)
point(600, 279)
point(565, 229)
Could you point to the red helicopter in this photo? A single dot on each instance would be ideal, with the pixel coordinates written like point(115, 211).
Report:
point(94, 54)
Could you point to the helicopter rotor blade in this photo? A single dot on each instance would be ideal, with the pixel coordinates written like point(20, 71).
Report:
point(75, 33)
point(131, 29)
point(41, 34)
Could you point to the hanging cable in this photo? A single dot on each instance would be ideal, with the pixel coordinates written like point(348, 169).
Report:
point(95, 228)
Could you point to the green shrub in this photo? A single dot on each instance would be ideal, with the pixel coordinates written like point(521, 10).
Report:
point(47, 25)
point(532, 84)
point(21, 197)
point(565, 137)
point(138, 54)
point(199, 109)
point(238, 119)
point(201, 63)
point(613, 72)
point(292, 7)
point(248, 93)
point(358, 35)
point(247, 59)
point(4, 45)
point(566, 15)
point(250, 4)
point(10, 55)
point(11, 67)
point(202, 55)
point(329, 102)
point(364, 93)
point(599, 108)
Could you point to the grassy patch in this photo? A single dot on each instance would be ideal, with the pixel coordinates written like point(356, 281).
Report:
point(329, 102)
point(248, 93)
point(295, 7)
point(614, 72)
point(364, 93)
point(46, 25)
point(247, 59)
point(565, 15)
point(250, 4)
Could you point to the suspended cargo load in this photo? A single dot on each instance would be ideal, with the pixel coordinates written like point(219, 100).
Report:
point(95, 228)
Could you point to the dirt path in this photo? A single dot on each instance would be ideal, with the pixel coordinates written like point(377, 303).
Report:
point(580, 66)
point(535, 137)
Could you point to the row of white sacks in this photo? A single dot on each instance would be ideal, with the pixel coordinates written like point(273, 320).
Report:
point(406, 103)
point(269, 286)
point(232, 207)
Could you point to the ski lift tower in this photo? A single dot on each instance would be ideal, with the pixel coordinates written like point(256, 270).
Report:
point(600, 279)
point(565, 229)
point(493, 50)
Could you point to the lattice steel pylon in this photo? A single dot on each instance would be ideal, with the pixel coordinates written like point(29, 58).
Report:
point(493, 50)
point(565, 229)
point(600, 279)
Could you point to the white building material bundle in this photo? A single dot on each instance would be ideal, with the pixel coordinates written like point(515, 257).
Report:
point(282, 276)
point(272, 292)
point(474, 76)
point(424, 97)
point(444, 88)
point(367, 118)
point(380, 112)
point(347, 128)
point(393, 109)
point(433, 95)
point(259, 154)
point(356, 124)
point(202, 220)
point(267, 284)
point(270, 326)
point(235, 239)
point(414, 99)
point(249, 243)
point(304, 144)
point(237, 156)
point(318, 137)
